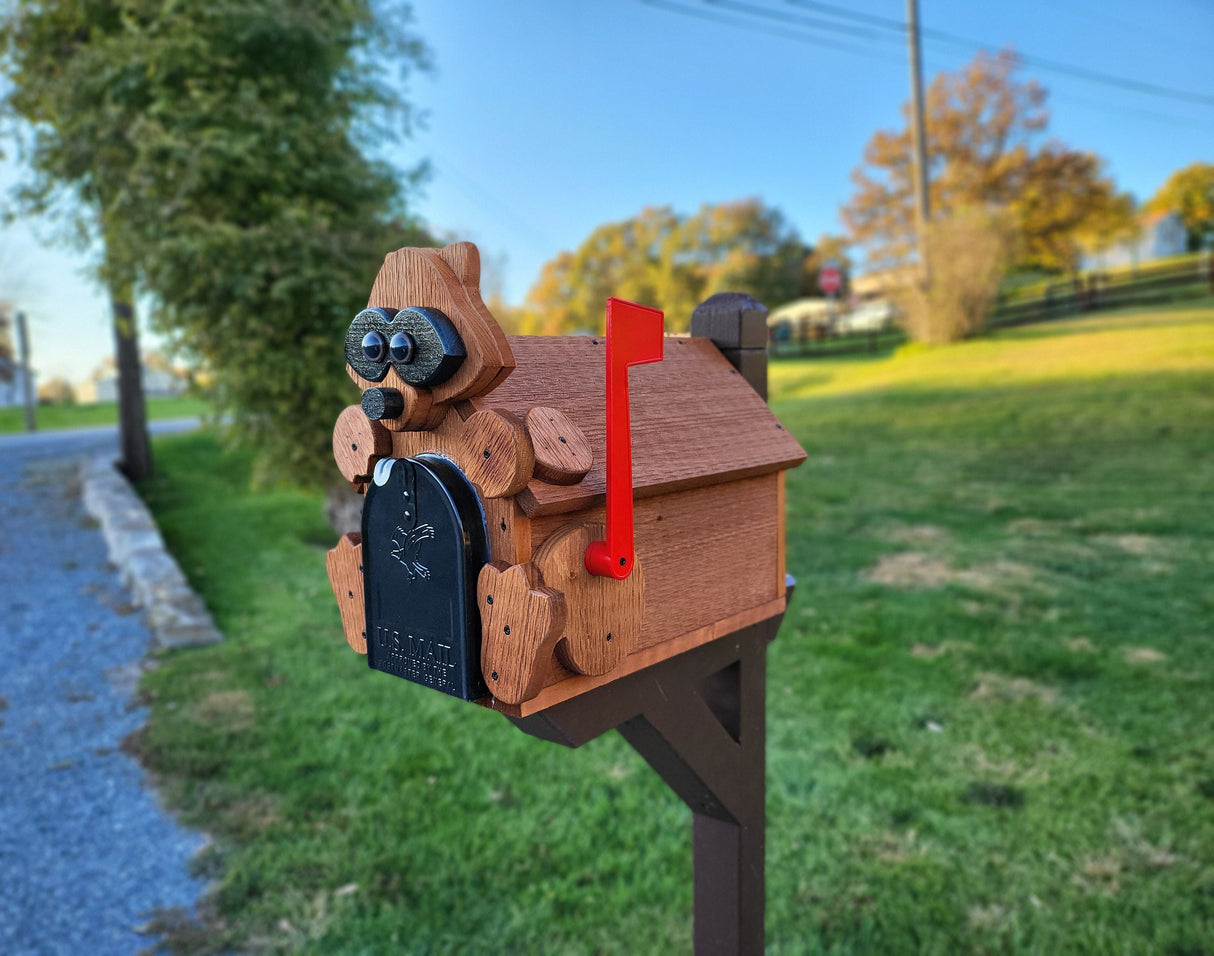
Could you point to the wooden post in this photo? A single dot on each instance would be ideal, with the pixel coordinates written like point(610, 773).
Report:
point(738, 325)
point(923, 212)
point(699, 720)
point(27, 381)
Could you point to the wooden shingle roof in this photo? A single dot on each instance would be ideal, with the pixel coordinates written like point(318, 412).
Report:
point(695, 420)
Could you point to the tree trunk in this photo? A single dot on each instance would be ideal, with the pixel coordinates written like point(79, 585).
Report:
point(136, 460)
point(343, 508)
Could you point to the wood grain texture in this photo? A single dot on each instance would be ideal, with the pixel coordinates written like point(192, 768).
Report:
point(694, 422)
point(344, 564)
point(358, 443)
point(521, 621)
point(562, 453)
point(449, 280)
point(603, 616)
point(708, 553)
point(781, 526)
point(420, 412)
point(571, 686)
point(509, 531)
point(495, 453)
point(443, 439)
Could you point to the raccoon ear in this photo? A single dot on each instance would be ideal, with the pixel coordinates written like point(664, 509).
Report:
point(465, 261)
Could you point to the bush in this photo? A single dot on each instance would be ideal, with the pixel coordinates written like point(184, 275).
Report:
point(968, 253)
point(57, 391)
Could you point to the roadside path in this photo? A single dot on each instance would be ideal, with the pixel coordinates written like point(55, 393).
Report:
point(86, 853)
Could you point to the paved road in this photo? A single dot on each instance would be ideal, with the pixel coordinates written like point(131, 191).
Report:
point(86, 854)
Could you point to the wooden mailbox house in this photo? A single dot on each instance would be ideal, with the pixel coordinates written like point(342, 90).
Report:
point(484, 463)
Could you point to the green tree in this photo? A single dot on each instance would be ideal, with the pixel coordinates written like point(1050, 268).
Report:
point(985, 149)
point(1189, 192)
point(236, 184)
point(66, 95)
point(672, 262)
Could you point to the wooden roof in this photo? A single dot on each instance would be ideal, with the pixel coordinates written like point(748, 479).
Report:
point(695, 421)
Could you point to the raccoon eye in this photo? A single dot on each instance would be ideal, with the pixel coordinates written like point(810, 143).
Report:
point(402, 348)
point(374, 347)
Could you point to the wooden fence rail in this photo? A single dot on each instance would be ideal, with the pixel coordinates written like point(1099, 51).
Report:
point(1191, 277)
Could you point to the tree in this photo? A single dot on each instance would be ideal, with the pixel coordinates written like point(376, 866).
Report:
point(58, 391)
point(219, 144)
point(58, 89)
point(672, 262)
point(1189, 192)
point(984, 131)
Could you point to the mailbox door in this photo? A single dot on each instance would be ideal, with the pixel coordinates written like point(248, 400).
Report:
point(424, 541)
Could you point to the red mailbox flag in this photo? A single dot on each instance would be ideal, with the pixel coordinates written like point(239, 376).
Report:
point(634, 337)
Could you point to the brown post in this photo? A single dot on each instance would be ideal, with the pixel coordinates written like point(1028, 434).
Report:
point(132, 414)
point(737, 324)
point(699, 720)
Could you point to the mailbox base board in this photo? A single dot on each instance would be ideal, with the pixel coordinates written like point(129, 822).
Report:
point(699, 720)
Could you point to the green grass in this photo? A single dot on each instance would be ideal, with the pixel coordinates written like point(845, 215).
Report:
point(50, 417)
point(990, 721)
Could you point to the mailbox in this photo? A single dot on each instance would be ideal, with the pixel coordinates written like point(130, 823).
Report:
point(546, 515)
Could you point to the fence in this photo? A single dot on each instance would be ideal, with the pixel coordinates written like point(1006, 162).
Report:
point(1177, 278)
point(1184, 277)
point(817, 342)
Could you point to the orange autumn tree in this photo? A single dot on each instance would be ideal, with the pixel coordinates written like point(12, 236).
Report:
point(987, 148)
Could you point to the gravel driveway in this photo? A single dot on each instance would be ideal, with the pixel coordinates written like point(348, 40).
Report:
point(86, 853)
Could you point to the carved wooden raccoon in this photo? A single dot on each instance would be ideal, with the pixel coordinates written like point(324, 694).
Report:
point(484, 461)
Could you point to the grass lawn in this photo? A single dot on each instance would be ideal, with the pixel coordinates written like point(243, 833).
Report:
point(49, 417)
point(990, 719)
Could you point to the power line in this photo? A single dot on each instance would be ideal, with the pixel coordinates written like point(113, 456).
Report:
point(751, 9)
point(1042, 63)
point(886, 23)
point(701, 14)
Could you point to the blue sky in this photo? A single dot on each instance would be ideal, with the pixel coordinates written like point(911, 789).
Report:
point(545, 118)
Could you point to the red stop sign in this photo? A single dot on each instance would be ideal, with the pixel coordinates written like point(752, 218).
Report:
point(830, 278)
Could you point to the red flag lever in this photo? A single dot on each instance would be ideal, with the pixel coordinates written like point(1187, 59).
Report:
point(634, 337)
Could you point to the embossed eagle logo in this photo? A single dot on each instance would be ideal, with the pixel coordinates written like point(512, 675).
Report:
point(406, 548)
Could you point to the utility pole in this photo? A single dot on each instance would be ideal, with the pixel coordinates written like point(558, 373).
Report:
point(27, 381)
point(918, 139)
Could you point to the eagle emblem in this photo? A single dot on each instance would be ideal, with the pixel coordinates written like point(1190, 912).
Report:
point(406, 547)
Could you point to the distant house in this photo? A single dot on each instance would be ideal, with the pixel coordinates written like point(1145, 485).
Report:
point(157, 383)
point(1162, 235)
point(12, 383)
point(883, 283)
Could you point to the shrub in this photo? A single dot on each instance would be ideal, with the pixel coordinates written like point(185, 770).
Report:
point(968, 253)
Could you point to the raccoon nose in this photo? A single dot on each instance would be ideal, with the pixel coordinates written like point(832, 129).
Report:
point(382, 403)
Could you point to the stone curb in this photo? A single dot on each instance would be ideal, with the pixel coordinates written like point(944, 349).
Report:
point(176, 615)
